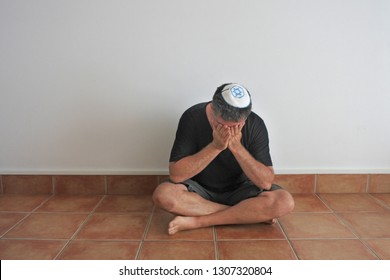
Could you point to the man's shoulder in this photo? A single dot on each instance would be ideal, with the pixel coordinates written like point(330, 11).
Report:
point(255, 118)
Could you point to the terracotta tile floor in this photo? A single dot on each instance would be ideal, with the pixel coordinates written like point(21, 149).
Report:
point(322, 226)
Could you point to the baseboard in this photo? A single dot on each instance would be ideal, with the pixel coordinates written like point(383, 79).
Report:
point(164, 171)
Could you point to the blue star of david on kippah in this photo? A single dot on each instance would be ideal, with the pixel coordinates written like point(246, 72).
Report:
point(237, 92)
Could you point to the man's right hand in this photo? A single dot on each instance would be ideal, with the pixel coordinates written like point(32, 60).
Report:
point(221, 135)
point(191, 165)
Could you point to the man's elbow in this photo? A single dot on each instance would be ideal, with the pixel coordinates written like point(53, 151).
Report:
point(175, 179)
point(267, 183)
point(174, 176)
point(266, 186)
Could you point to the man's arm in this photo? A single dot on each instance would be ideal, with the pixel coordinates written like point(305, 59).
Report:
point(261, 175)
point(190, 166)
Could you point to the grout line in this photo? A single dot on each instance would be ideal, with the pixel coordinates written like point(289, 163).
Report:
point(29, 213)
point(369, 249)
point(380, 202)
point(346, 224)
point(287, 239)
point(105, 185)
point(324, 202)
point(53, 184)
point(62, 249)
point(323, 238)
point(79, 228)
point(252, 239)
point(1, 184)
point(315, 183)
point(137, 255)
point(215, 243)
point(139, 250)
point(368, 182)
point(15, 225)
point(34, 239)
point(43, 202)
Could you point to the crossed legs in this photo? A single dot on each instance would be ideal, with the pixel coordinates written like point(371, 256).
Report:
point(193, 211)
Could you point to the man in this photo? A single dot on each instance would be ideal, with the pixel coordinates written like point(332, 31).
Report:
point(220, 167)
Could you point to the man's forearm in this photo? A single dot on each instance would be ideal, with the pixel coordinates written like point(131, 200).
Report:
point(261, 175)
point(190, 166)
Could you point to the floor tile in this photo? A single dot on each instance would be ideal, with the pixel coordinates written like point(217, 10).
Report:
point(158, 230)
point(380, 246)
point(8, 220)
point(251, 231)
point(339, 183)
point(126, 203)
point(27, 184)
point(79, 184)
point(332, 249)
point(296, 183)
point(369, 225)
point(255, 250)
point(309, 203)
point(120, 227)
point(114, 227)
point(30, 249)
point(384, 198)
point(47, 226)
point(21, 203)
point(351, 202)
point(177, 250)
point(70, 203)
point(379, 183)
point(131, 184)
point(100, 250)
point(314, 225)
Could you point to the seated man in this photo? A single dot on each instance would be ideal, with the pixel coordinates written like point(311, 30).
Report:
point(220, 167)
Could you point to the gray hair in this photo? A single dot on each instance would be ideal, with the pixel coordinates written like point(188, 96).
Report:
point(226, 111)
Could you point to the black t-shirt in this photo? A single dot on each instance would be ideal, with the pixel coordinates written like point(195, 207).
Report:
point(194, 132)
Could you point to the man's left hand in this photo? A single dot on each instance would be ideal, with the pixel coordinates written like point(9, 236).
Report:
point(235, 137)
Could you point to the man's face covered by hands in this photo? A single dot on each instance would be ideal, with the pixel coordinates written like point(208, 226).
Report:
point(226, 134)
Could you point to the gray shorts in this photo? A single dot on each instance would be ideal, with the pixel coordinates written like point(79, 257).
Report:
point(244, 191)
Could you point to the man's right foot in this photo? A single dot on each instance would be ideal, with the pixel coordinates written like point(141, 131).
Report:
point(180, 223)
point(270, 222)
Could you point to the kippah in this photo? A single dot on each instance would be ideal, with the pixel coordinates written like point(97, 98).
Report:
point(236, 96)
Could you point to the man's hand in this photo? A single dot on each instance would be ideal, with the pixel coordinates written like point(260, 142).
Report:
point(235, 137)
point(221, 136)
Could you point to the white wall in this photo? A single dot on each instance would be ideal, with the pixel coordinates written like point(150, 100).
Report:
point(98, 86)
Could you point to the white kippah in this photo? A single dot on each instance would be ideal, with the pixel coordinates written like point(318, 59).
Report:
point(236, 95)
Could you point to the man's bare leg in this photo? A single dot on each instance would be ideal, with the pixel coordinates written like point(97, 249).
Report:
point(263, 208)
point(176, 199)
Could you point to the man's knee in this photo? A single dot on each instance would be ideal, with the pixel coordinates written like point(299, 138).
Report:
point(164, 196)
point(281, 202)
point(284, 203)
point(160, 194)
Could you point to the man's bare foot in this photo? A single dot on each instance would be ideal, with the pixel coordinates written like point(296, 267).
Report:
point(182, 223)
point(270, 222)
